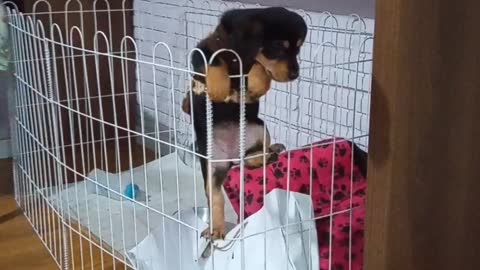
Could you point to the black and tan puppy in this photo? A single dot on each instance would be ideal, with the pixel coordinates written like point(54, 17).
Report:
point(226, 138)
point(267, 41)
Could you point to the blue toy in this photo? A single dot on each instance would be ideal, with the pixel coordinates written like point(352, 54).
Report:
point(131, 191)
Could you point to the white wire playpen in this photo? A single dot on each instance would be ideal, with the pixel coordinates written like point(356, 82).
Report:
point(98, 92)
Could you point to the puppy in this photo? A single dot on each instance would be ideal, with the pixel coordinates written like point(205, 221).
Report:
point(267, 41)
point(226, 137)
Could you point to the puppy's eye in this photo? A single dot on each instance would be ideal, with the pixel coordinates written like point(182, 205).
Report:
point(286, 44)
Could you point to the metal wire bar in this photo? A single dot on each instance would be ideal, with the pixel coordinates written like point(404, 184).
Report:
point(77, 147)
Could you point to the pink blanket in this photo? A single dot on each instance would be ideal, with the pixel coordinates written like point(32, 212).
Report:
point(321, 167)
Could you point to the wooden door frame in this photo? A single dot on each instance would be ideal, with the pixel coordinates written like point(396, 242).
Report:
point(423, 210)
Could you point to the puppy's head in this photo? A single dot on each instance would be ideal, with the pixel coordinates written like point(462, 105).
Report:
point(284, 34)
point(270, 36)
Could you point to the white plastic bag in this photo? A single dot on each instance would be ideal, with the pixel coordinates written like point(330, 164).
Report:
point(176, 252)
point(282, 247)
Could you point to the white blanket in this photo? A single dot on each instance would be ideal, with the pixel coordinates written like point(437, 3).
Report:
point(158, 239)
point(121, 223)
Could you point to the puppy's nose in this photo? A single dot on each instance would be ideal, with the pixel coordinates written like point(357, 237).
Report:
point(293, 74)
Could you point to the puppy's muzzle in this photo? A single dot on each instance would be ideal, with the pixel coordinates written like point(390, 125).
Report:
point(293, 75)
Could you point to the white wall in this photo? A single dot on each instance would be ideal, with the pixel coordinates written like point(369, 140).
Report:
point(364, 8)
point(325, 101)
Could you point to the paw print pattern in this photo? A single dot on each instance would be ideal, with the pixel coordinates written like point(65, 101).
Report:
point(249, 197)
point(228, 189)
point(310, 172)
point(295, 173)
point(304, 160)
point(304, 189)
point(278, 174)
point(340, 151)
point(338, 266)
point(260, 200)
point(260, 180)
point(339, 171)
point(339, 196)
point(313, 173)
point(323, 163)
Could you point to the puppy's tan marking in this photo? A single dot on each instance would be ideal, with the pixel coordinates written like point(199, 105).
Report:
point(197, 87)
point(218, 212)
point(259, 159)
point(216, 203)
point(278, 69)
point(286, 44)
point(258, 81)
point(218, 82)
point(256, 159)
point(254, 155)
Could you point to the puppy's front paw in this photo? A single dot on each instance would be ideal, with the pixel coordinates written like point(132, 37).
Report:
point(218, 83)
point(218, 232)
point(258, 81)
point(277, 148)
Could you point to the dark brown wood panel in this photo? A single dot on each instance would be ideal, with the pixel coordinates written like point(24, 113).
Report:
point(424, 171)
point(6, 178)
point(110, 93)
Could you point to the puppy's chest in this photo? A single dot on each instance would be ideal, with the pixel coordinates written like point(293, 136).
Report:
point(226, 139)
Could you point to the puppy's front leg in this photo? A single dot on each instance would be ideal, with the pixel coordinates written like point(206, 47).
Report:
point(218, 81)
point(258, 81)
point(216, 202)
